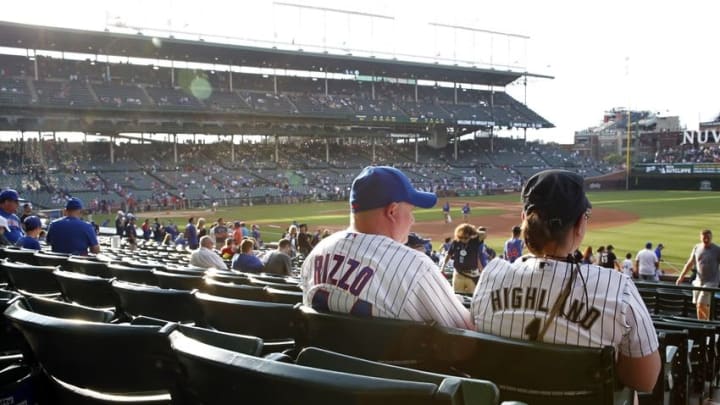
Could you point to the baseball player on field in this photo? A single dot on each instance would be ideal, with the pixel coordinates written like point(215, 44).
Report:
point(548, 296)
point(705, 256)
point(367, 270)
point(446, 213)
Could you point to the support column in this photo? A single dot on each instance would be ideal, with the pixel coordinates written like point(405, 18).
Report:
point(112, 149)
point(277, 149)
point(172, 73)
point(492, 141)
point(372, 87)
point(416, 91)
point(374, 158)
point(230, 78)
point(326, 85)
point(175, 148)
point(40, 149)
point(22, 151)
point(275, 84)
point(417, 153)
point(327, 150)
point(455, 92)
point(232, 148)
point(456, 140)
point(35, 64)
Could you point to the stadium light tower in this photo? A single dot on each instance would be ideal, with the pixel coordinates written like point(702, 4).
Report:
point(325, 10)
point(509, 36)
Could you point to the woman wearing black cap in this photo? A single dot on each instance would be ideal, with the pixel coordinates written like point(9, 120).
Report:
point(548, 296)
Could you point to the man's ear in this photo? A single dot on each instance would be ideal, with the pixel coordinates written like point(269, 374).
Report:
point(390, 211)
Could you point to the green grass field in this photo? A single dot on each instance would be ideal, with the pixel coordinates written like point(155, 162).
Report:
point(674, 218)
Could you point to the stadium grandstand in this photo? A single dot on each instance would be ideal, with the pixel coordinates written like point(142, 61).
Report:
point(132, 124)
point(160, 136)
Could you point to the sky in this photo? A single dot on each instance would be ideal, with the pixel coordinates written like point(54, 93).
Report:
point(648, 55)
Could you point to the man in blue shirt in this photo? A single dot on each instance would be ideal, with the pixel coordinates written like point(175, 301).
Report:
point(9, 203)
point(245, 260)
point(191, 235)
point(513, 246)
point(658, 251)
point(33, 226)
point(70, 234)
point(466, 212)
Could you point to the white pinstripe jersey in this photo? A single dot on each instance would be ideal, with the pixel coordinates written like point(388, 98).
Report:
point(372, 275)
point(509, 296)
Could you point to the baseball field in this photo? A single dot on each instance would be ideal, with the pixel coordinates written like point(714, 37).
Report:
point(626, 219)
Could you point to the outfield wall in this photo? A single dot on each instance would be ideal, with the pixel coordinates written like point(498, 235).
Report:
point(676, 176)
point(691, 182)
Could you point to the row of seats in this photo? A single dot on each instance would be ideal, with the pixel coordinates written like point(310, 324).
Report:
point(289, 328)
point(174, 363)
point(249, 310)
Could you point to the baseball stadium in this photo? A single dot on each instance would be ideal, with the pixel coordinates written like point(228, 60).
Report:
point(160, 176)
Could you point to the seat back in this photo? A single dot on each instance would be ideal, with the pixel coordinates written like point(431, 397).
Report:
point(46, 259)
point(59, 309)
point(279, 286)
point(10, 338)
point(110, 358)
point(214, 375)
point(672, 302)
point(31, 278)
point(265, 320)
point(228, 277)
point(376, 339)
point(170, 305)
point(133, 274)
point(473, 391)
point(532, 372)
point(284, 296)
point(18, 255)
point(86, 290)
point(89, 267)
point(179, 281)
point(237, 291)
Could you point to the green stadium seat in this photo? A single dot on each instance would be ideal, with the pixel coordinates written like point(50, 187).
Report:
point(86, 290)
point(473, 391)
point(537, 373)
point(215, 374)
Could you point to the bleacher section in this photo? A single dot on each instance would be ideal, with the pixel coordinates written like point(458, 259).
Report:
point(80, 84)
point(146, 175)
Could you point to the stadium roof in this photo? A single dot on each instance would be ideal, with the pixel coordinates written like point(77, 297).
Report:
point(108, 43)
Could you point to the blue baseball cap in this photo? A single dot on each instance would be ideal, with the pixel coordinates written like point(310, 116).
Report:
point(378, 186)
point(9, 194)
point(74, 204)
point(32, 222)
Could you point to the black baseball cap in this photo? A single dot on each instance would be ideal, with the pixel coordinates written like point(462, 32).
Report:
point(558, 196)
point(414, 240)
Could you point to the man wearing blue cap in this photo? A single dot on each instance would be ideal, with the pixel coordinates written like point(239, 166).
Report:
point(9, 202)
point(70, 234)
point(367, 270)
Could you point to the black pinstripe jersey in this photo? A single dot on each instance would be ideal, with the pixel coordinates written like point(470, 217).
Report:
point(604, 307)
